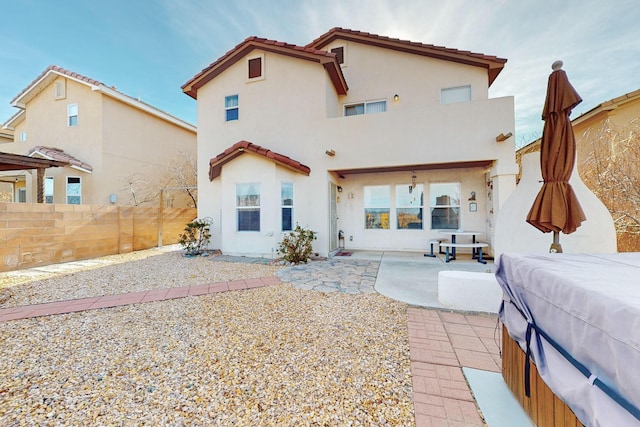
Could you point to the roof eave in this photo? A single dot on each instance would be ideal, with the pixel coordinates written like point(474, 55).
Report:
point(17, 101)
point(209, 73)
point(492, 64)
point(242, 147)
point(14, 120)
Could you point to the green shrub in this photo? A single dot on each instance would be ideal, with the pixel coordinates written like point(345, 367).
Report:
point(296, 247)
point(196, 236)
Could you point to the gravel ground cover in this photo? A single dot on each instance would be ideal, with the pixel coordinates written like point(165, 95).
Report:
point(116, 274)
point(269, 356)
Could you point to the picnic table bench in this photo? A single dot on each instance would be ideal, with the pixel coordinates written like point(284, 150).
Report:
point(475, 247)
point(435, 243)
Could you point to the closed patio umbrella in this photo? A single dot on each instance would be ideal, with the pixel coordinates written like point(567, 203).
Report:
point(556, 208)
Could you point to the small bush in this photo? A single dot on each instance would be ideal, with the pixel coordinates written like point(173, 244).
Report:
point(296, 247)
point(196, 236)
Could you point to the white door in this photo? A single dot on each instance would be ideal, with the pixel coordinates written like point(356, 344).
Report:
point(333, 217)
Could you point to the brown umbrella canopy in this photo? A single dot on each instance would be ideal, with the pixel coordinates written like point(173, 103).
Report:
point(556, 207)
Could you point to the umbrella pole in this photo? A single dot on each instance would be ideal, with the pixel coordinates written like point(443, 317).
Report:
point(555, 246)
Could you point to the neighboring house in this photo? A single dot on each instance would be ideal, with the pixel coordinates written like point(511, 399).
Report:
point(113, 143)
point(615, 114)
point(383, 139)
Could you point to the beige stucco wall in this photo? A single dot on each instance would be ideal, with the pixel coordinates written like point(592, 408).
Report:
point(597, 233)
point(295, 111)
point(136, 142)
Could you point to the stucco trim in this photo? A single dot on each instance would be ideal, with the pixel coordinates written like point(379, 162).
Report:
point(242, 147)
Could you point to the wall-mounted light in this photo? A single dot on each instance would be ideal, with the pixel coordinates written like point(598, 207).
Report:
point(330, 153)
point(396, 98)
point(413, 183)
point(339, 189)
point(503, 137)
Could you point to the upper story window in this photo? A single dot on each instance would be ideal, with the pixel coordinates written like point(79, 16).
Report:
point(23, 137)
point(60, 89)
point(74, 190)
point(365, 108)
point(339, 52)
point(255, 67)
point(231, 107)
point(444, 199)
point(451, 95)
point(72, 115)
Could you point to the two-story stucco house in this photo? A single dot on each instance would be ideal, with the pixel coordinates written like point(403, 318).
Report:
point(386, 140)
point(108, 139)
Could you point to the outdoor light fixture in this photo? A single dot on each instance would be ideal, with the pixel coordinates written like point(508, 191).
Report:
point(339, 189)
point(396, 97)
point(413, 183)
point(503, 137)
point(330, 153)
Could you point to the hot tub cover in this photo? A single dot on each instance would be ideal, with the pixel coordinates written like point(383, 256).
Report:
point(589, 306)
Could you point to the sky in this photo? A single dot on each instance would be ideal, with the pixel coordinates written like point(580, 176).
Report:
point(150, 48)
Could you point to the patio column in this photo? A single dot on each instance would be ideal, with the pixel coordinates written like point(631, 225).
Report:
point(40, 185)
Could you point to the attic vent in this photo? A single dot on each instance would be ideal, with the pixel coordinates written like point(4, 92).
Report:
point(60, 89)
point(255, 68)
point(339, 52)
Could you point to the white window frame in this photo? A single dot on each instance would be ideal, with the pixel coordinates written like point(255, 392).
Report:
point(262, 67)
point(71, 109)
point(73, 194)
point(379, 205)
point(49, 189)
point(416, 196)
point(22, 195)
point(367, 106)
point(452, 95)
point(248, 205)
point(433, 203)
point(233, 107)
point(284, 206)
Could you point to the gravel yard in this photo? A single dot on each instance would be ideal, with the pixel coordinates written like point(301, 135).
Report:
point(269, 356)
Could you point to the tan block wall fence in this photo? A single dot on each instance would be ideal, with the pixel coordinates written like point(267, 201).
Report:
point(39, 234)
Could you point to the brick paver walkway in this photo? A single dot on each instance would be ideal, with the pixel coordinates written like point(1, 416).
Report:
point(440, 344)
point(106, 301)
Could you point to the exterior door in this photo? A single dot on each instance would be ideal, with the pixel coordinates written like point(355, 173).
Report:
point(333, 217)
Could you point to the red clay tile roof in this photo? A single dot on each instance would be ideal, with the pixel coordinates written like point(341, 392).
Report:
point(493, 64)
point(61, 71)
point(53, 153)
point(241, 147)
point(327, 59)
